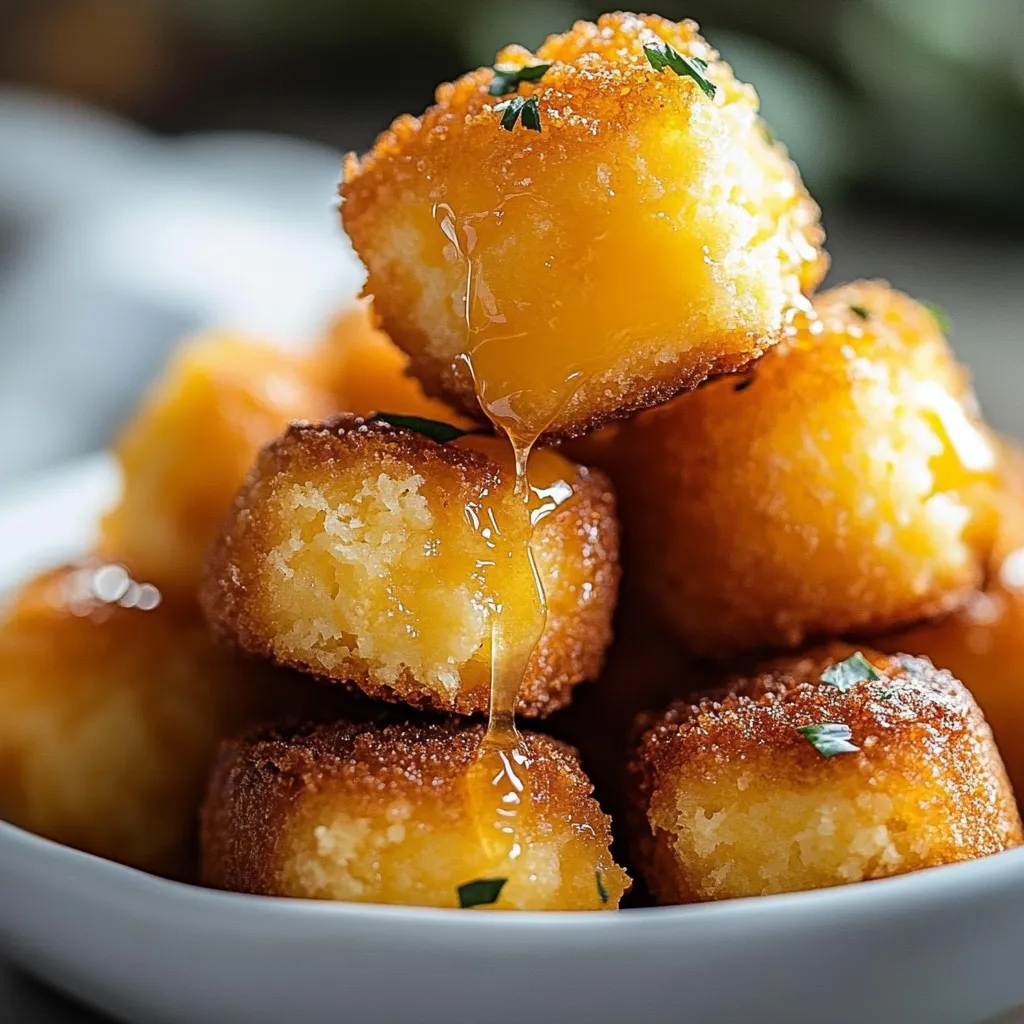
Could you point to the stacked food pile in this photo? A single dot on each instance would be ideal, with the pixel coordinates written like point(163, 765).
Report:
point(337, 582)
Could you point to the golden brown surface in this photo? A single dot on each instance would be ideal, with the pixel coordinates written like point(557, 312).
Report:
point(731, 800)
point(351, 553)
point(982, 642)
point(646, 238)
point(378, 813)
point(188, 447)
point(110, 713)
point(848, 486)
point(366, 372)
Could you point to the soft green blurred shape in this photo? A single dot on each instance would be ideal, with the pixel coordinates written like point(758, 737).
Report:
point(805, 110)
point(487, 27)
point(942, 123)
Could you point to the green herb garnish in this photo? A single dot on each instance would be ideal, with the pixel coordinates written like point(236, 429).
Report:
point(914, 666)
point(940, 316)
point(661, 55)
point(437, 431)
point(829, 738)
point(860, 311)
point(507, 77)
point(516, 108)
point(481, 893)
point(744, 384)
point(845, 674)
point(602, 892)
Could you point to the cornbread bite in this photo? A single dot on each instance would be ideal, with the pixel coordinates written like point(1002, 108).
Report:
point(599, 226)
point(187, 449)
point(378, 812)
point(846, 487)
point(112, 703)
point(833, 767)
point(373, 554)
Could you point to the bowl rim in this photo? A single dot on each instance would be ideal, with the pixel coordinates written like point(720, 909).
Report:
point(929, 887)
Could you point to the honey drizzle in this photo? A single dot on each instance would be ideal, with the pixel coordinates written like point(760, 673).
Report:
point(498, 782)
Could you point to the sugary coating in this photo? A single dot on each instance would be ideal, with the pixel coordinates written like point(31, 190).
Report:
point(647, 237)
point(188, 447)
point(732, 799)
point(846, 487)
point(982, 642)
point(361, 552)
point(366, 372)
point(379, 813)
point(112, 703)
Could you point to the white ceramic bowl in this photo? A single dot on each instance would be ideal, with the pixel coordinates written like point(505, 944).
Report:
point(939, 947)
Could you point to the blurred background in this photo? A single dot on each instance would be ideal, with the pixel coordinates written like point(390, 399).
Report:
point(170, 164)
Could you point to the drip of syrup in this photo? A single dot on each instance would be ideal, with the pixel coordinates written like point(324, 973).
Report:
point(498, 782)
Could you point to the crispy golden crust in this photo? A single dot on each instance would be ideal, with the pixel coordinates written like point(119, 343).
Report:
point(111, 709)
point(733, 240)
point(415, 841)
point(575, 549)
point(730, 799)
point(858, 476)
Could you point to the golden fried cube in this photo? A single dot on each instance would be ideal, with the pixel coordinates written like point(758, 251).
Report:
point(646, 237)
point(359, 551)
point(379, 813)
point(187, 449)
point(829, 768)
point(848, 486)
point(112, 703)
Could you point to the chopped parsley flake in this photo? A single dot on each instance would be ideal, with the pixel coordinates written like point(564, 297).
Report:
point(507, 77)
point(661, 55)
point(602, 892)
point(481, 893)
point(845, 674)
point(860, 311)
point(914, 666)
point(744, 384)
point(940, 316)
point(437, 431)
point(829, 739)
point(518, 108)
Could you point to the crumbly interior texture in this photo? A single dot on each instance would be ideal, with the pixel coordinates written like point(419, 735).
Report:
point(846, 487)
point(378, 813)
point(361, 553)
point(647, 237)
point(982, 642)
point(731, 800)
point(188, 447)
point(110, 715)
